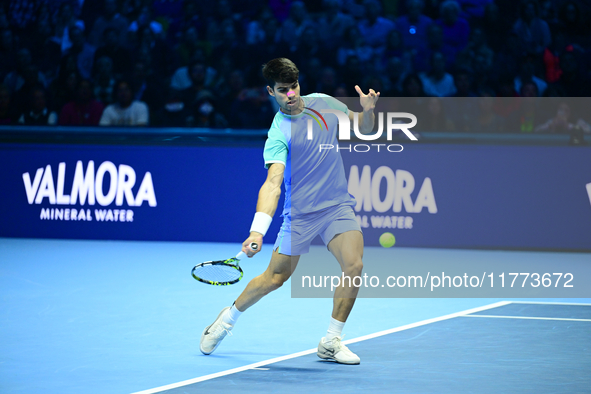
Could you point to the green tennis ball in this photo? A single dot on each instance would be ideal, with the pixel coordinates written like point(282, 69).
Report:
point(387, 240)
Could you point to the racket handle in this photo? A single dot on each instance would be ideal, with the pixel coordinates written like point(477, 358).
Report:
point(242, 255)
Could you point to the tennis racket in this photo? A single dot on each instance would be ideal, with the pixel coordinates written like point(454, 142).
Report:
point(221, 272)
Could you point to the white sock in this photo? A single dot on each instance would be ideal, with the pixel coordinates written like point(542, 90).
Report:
point(231, 315)
point(335, 328)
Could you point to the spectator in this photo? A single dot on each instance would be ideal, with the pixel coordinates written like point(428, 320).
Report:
point(352, 73)
point(573, 24)
point(48, 53)
point(147, 87)
point(463, 107)
point(341, 92)
point(574, 79)
point(113, 49)
point(551, 57)
point(14, 80)
point(463, 84)
point(218, 20)
point(474, 8)
point(280, 8)
point(110, 19)
point(506, 62)
point(375, 28)
point(64, 88)
point(232, 89)
point(477, 51)
point(333, 24)
point(8, 114)
point(487, 120)
point(294, 26)
point(438, 82)
point(395, 47)
point(422, 58)
point(196, 75)
point(190, 17)
point(354, 46)
point(340, 43)
point(561, 123)
point(229, 45)
point(549, 14)
point(251, 109)
point(412, 90)
point(8, 52)
point(205, 113)
point(414, 26)
point(167, 11)
point(38, 114)
point(328, 80)
point(533, 32)
point(526, 73)
point(183, 77)
point(84, 110)
point(3, 19)
point(83, 52)
point(104, 80)
point(506, 102)
point(455, 29)
point(527, 116)
point(174, 113)
point(412, 86)
point(66, 20)
point(31, 80)
point(21, 13)
point(309, 47)
point(143, 21)
point(189, 44)
point(152, 49)
point(395, 74)
point(496, 29)
point(125, 111)
point(434, 117)
point(266, 45)
point(372, 81)
point(310, 75)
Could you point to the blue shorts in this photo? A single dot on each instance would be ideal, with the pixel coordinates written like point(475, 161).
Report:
point(295, 235)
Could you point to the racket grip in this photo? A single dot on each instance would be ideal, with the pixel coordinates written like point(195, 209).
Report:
point(242, 255)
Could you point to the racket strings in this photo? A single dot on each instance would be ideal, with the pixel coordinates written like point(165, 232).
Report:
point(217, 272)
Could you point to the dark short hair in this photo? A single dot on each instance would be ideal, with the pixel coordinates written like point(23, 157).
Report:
point(118, 84)
point(280, 70)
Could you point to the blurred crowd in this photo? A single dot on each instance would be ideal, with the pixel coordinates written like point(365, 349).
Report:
point(196, 63)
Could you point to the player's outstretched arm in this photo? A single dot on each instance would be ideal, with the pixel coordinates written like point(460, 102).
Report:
point(368, 103)
point(266, 206)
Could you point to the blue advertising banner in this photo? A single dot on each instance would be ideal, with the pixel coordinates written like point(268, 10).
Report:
point(129, 192)
point(427, 195)
point(474, 196)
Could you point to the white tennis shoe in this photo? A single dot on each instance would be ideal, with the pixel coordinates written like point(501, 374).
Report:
point(336, 351)
point(213, 334)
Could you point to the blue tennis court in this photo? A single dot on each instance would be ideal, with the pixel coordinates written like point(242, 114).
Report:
point(126, 317)
point(503, 351)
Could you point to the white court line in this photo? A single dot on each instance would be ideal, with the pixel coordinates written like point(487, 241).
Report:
point(549, 303)
point(526, 317)
point(306, 352)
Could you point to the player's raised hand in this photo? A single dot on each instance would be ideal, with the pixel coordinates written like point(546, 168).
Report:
point(368, 101)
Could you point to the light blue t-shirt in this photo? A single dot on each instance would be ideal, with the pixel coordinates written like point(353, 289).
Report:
point(314, 178)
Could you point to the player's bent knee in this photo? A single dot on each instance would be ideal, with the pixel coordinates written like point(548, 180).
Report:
point(278, 280)
point(275, 281)
point(354, 268)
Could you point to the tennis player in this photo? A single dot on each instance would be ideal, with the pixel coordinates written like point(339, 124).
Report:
point(317, 202)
